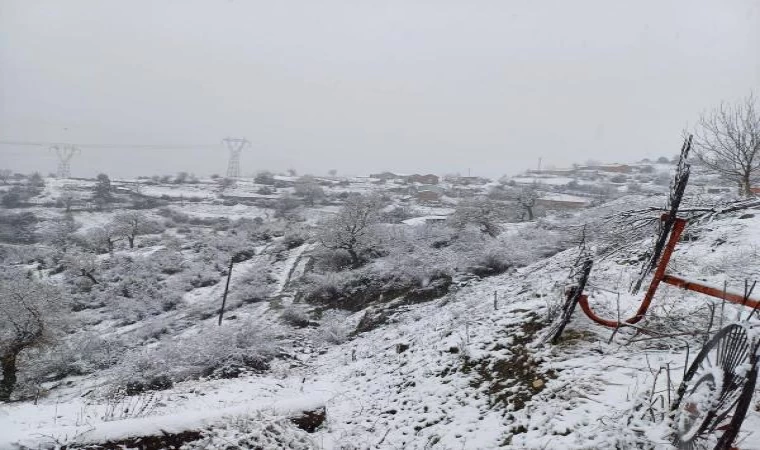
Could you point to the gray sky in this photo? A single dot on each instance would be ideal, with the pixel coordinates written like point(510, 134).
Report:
point(359, 86)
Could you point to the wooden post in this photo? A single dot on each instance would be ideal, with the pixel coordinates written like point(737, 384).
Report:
point(226, 289)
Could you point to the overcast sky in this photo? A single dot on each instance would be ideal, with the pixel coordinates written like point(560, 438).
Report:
point(361, 86)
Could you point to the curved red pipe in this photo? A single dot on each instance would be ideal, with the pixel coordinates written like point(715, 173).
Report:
point(659, 275)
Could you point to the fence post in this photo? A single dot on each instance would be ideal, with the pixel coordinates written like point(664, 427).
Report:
point(226, 289)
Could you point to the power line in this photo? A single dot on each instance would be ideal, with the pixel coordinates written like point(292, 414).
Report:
point(107, 146)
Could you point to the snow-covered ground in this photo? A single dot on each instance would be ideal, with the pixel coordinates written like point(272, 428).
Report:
point(461, 371)
point(454, 373)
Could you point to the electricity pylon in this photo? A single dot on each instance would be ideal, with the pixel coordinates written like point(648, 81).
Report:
point(235, 146)
point(65, 153)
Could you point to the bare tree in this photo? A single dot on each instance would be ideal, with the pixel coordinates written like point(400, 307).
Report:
point(482, 212)
point(29, 312)
point(352, 228)
point(131, 224)
point(81, 265)
point(104, 237)
point(527, 199)
point(727, 141)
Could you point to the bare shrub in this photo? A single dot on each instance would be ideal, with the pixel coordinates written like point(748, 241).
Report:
point(334, 328)
point(295, 317)
point(222, 352)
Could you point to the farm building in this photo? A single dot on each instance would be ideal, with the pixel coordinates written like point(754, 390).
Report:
point(562, 201)
point(422, 179)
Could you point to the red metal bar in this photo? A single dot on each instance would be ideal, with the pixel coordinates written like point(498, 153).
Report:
point(675, 235)
point(659, 275)
point(583, 303)
point(729, 296)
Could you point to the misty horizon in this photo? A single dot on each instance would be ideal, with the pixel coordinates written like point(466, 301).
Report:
point(360, 87)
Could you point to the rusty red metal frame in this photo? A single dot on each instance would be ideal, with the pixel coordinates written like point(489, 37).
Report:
point(660, 276)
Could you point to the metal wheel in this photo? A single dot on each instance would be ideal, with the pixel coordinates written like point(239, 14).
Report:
point(716, 391)
point(581, 273)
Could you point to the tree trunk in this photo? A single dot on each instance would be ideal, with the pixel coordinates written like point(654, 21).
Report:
point(354, 258)
point(746, 185)
point(8, 383)
point(89, 275)
point(529, 210)
point(131, 241)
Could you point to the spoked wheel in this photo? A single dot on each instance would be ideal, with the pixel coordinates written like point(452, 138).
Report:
point(716, 392)
point(574, 293)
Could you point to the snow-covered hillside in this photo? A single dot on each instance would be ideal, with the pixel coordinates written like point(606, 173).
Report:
point(462, 368)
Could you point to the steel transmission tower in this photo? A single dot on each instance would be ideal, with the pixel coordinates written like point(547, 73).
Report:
point(65, 153)
point(235, 146)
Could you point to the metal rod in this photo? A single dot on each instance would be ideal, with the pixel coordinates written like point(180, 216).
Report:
point(732, 297)
point(226, 290)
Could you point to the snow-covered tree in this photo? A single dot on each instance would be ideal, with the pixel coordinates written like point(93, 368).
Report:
point(81, 266)
point(36, 180)
point(103, 238)
point(29, 315)
point(527, 199)
point(59, 233)
point(285, 205)
point(308, 188)
point(482, 212)
point(131, 224)
point(103, 192)
point(67, 198)
point(5, 175)
point(352, 229)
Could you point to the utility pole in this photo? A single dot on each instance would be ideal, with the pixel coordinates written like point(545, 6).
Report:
point(235, 146)
point(65, 153)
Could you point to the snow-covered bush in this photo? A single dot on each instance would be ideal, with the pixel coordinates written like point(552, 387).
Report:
point(295, 317)
point(77, 354)
point(334, 328)
point(493, 260)
point(397, 214)
point(169, 262)
point(254, 286)
point(131, 288)
point(356, 289)
point(295, 237)
point(59, 233)
point(224, 352)
point(258, 431)
point(326, 260)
